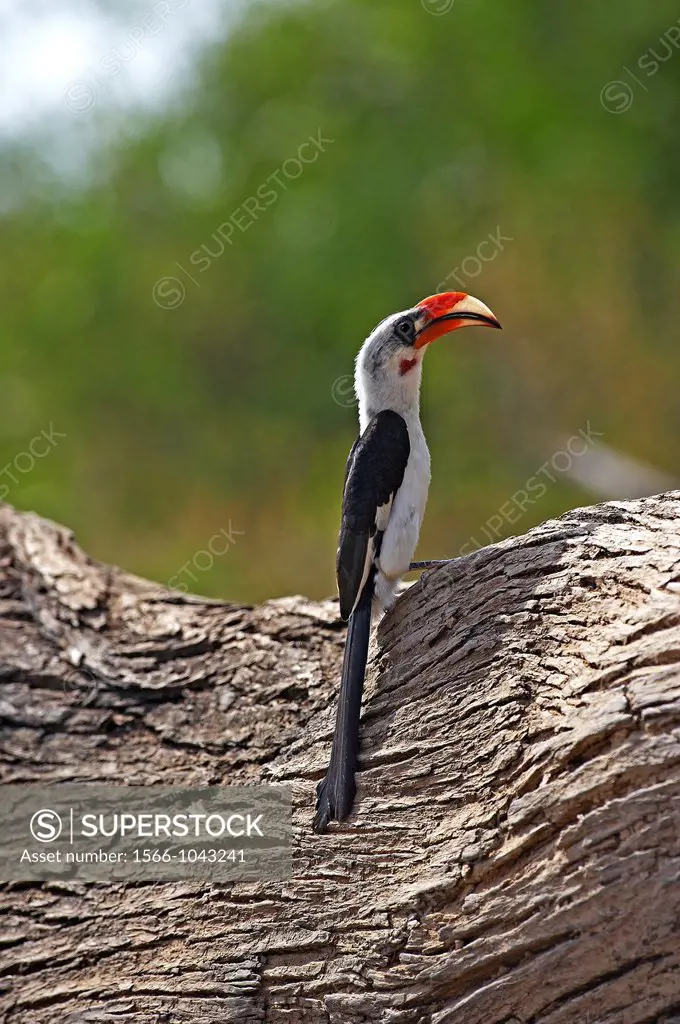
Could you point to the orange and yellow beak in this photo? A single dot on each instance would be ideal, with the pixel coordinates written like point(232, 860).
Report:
point(450, 310)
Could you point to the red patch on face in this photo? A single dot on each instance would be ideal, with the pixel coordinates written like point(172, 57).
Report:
point(405, 365)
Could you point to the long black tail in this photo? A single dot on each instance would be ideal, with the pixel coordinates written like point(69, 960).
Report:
point(335, 793)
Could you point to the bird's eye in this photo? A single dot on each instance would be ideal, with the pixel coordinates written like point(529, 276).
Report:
point(405, 329)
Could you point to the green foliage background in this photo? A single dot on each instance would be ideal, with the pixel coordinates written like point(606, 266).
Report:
point(181, 421)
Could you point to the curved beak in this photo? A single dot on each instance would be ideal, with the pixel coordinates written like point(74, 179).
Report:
point(448, 311)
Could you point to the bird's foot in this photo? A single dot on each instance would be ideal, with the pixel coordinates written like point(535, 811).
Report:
point(334, 798)
point(429, 563)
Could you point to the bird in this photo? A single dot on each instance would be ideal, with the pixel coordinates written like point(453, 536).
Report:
point(387, 479)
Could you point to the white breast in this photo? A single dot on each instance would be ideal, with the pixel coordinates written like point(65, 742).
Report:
point(406, 516)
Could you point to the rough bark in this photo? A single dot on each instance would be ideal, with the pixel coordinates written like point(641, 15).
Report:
point(515, 851)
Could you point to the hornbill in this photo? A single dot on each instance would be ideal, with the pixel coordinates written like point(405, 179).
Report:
point(386, 484)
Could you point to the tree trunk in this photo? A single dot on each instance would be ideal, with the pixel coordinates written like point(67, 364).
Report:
point(514, 854)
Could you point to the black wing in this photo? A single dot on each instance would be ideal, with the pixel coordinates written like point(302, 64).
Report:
point(375, 470)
